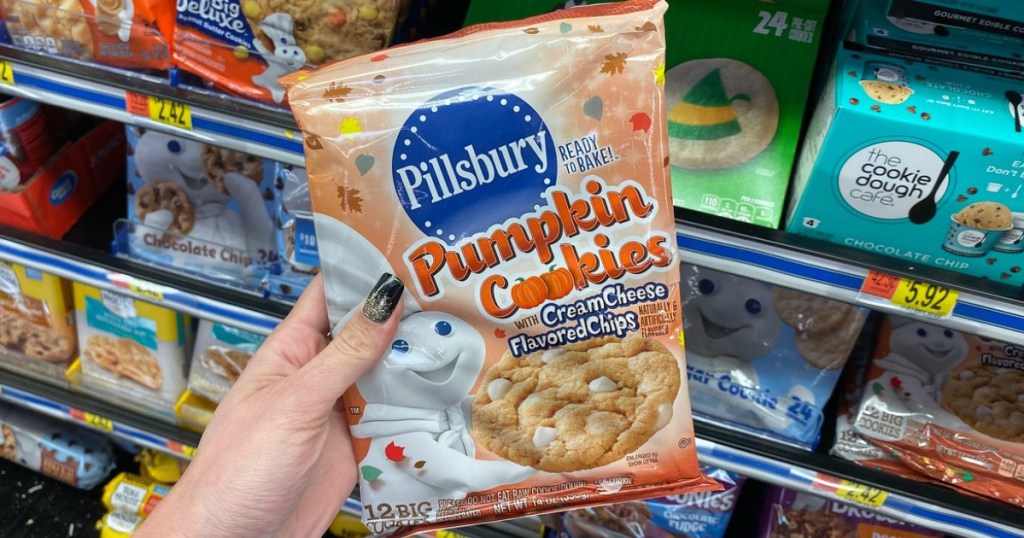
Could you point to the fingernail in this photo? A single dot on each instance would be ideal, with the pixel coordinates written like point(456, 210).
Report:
point(381, 302)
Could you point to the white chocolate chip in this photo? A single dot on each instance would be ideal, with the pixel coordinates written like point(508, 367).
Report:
point(966, 375)
point(498, 388)
point(543, 436)
point(550, 355)
point(984, 411)
point(602, 384)
point(664, 415)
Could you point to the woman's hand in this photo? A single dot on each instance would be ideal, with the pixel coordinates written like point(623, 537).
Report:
point(276, 458)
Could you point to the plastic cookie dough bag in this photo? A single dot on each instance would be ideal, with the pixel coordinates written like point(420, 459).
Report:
point(515, 177)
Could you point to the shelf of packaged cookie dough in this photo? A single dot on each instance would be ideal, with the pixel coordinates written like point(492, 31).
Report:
point(151, 102)
point(968, 304)
point(83, 409)
point(923, 504)
point(190, 295)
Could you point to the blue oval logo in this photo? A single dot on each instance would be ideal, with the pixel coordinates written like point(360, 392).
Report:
point(63, 188)
point(472, 158)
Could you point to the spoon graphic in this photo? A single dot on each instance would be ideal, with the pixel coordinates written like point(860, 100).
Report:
point(924, 210)
point(1015, 99)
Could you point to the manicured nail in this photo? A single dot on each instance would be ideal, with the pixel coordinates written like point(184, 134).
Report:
point(381, 302)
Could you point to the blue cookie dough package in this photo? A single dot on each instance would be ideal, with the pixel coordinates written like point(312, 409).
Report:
point(763, 358)
point(298, 259)
point(703, 514)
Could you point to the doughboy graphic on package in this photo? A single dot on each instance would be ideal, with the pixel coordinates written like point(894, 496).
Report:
point(200, 207)
point(948, 405)
point(132, 351)
point(763, 357)
point(536, 364)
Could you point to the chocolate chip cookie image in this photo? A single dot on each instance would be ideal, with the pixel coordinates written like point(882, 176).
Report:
point(989, 399)
point(124, 358)
point(9, 448)
point(577, 407)
point(168, 196)
point(219, 161)
point(626, 519)
point(226, 362)
point(804, 523)
point(36, 342)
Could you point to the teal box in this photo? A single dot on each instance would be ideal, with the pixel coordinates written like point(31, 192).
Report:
point(1003, 17)
point(918, 162)
point(871, 25)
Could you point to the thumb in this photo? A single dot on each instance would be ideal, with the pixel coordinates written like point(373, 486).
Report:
point(354, 350)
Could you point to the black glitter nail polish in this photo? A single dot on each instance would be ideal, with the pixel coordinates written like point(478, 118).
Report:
point(381, 302)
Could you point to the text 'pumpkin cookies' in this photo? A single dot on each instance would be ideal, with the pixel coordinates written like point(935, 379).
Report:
point(523, 199)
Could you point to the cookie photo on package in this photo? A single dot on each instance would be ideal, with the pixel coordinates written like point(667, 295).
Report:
point(525, 202)
point(37, 326)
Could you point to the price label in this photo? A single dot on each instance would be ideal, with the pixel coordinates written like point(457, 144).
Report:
point(188, 450)
point(450, 534)
point(861, 494)
point(908, 294)
point(97, 421)
point(146, 290)
point(159, 109)
point(6, 73)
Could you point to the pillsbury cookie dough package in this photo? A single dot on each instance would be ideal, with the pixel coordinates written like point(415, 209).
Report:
point(199, 207)
point(949, 406)
point(763, 358)
point(244, 46)
point(704, 514)
point(132, 352)
point(220, 354)
point(918, 162)
point(37, 325)
point(537, 364)
point(298, 260)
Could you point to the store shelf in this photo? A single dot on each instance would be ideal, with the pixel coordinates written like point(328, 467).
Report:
point(93, 413)
point(927, 505)
point(223, 121)
point(984, 307)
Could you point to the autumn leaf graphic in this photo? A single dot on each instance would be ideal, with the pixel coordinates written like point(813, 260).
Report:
point(614, 63)
point(313, 142)
point(350, 127)
point(351, 200)
point(647, 27)
point(595, 28)
point(337, 92)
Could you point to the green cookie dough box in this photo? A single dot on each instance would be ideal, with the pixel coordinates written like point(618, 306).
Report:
point(737, 78)
point(871, 174)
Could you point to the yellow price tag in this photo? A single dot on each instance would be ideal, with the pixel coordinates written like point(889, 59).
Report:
point(189, 451)
point(97, 421)
point(6, 73)
point(924, 297)
point(861, 494)
point(170, 112)
point(146, 290)
point(450, 534)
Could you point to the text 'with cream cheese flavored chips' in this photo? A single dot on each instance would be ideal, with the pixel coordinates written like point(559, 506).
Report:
point(515, 177)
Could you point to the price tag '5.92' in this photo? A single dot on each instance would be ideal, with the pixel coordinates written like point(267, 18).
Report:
point(908, 294)
point(160, 110)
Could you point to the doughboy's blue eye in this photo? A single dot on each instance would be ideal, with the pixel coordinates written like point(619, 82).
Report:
point(753, 306)
point(174, 146)
point(922, 333)
point(705, 286)
point(443, 328)
point(400, 346)
point(948, 333)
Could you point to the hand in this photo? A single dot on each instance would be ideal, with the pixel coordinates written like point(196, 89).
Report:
point(276, 458)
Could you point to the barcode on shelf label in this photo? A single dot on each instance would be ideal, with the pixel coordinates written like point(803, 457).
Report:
point(6, 73)
point(909, 295)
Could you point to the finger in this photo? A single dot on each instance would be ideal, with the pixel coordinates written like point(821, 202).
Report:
point(299, 337)
point(356, 349)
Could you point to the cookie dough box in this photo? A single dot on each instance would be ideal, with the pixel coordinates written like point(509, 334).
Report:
point(918, 162)
point(133, 353)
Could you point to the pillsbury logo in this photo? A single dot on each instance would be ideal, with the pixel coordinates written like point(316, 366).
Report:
point(472, 158)
point(63, 188)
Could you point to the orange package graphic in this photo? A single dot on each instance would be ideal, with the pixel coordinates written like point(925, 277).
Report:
point(515, 177)
point(244, 46)
point(130, 34)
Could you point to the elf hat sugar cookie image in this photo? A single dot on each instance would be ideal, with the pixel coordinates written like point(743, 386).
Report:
point(977, 228)
point(886, 84)
point(721, 113)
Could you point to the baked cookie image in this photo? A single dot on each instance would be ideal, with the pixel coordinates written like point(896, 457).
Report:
point(825, 329)
point(64, 22)
point(9, 448)
point(171, 201)
point(627, 519)
point(577, 407)
point(226, 362)
point(114, 18)
point(804, 523)
point(887, 93)
point(34, 341)
point(721, 113)
point(989, 399)
point(125, 358)
point(219, 161)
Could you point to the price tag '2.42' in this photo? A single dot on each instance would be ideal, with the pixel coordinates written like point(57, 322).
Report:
point(907, 294)
point(161, 110)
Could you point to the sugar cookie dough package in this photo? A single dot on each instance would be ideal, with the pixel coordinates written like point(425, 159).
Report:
point(220, 354)
point(703, 514)
point(54, 448)
point(199, 207)
point(37, 326)
point(536, 364)
point(244, 46)
point(133, 352)
point(761, 357)
point(793, 514)
point(948, 405)
point(298, 260)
